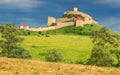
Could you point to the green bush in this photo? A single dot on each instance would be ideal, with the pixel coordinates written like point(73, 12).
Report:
point(53, 56)
point(100, 57)
point(47, 34)
point(39, 32)
point(19, 52)
point(79, 62)
point(116, 54)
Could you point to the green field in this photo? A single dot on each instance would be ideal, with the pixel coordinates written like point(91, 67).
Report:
point(72, 47)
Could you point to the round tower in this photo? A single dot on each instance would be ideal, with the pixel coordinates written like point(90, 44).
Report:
point(21, 26)
point(26, 27)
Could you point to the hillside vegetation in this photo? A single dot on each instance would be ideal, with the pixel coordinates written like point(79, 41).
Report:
point(69, 30)
point(29, 67)
point(71, 47)
point(72, 42)
point(86, 30)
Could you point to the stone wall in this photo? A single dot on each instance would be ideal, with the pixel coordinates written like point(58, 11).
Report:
point(60, 25)
point(63, 19)
point(51, 20)
point(79, 23)
point(42, 29)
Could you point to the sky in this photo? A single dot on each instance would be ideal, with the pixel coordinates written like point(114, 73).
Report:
point(36, 12)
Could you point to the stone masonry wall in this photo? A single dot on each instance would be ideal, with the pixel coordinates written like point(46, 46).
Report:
point(60, 25)
point(42, 29)
point(51, 20)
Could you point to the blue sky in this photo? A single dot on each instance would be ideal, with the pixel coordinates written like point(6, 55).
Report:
point(35, 12)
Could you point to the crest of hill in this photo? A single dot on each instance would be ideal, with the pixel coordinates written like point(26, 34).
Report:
point(29, 67)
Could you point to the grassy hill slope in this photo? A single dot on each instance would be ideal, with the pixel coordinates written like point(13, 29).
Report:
point(85, 30)
point(29, 67)
point(72, 47)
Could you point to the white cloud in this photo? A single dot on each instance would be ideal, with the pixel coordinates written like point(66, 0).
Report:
point(21, 3)
point(115, 3)
point(112, 22)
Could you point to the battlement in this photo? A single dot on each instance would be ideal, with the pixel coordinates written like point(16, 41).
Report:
point(75, 9)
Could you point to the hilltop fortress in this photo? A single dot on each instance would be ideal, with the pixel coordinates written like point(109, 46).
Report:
point(70, 18)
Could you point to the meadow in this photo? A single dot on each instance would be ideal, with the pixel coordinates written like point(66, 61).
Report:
point(72, 47)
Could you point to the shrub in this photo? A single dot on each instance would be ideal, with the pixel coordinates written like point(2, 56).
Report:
point(100, 57)
point(79, 62)
point(47, 34)
point(19, 52)
point(53, 56)
point(39, 32)
point(116, 54)
point(29, 33)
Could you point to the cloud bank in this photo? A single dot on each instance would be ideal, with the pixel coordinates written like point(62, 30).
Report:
point(114, 3)
point(21, 3)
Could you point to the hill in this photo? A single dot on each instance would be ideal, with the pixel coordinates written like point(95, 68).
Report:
point(69, 41)
point(87, 29)
point(72, 47)
point(29, 67)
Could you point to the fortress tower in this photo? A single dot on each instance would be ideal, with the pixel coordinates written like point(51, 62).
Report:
point(26, 26)
point(75, 9)
point(21, 26)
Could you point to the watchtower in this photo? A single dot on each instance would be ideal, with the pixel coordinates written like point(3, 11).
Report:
point(75, 9)
point(26, 27)
point(21, 26)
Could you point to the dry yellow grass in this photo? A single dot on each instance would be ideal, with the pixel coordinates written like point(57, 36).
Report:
point(29, 67)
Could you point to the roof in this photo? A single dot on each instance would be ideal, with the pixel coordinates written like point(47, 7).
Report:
point(78, 18)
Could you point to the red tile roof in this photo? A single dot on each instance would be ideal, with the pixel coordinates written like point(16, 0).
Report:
point(78, 18)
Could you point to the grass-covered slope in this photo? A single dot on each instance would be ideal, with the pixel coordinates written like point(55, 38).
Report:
point(69, 41)
point(29, 67)
point(72, 47)
point(85, 30)
point(71, 30)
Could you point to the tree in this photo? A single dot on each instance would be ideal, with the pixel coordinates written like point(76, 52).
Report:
point(100, 57)
point(103, 41)
point(20, 52)
point(10, 39)
point(117, 56)
point(116, 52)
point(53, 56)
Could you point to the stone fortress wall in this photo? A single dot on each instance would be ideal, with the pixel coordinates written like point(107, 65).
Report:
point(60, 25)
point(54, 23)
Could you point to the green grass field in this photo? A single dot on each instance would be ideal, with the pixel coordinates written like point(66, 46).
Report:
point(72, 47)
